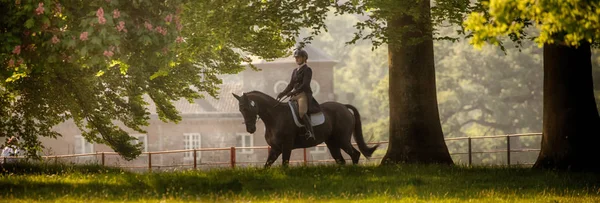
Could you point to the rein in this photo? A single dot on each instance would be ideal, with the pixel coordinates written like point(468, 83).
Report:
point(280, 100)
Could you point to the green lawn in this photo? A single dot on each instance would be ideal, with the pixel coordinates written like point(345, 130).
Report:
point(408, 183)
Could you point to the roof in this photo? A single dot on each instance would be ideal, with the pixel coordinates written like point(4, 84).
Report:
point(225, 103)
point(314, 55)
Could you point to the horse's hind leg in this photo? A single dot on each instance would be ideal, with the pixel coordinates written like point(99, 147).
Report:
point(335, 152)
point(353, 152)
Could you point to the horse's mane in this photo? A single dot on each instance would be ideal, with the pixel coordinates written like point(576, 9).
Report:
point(262, 95)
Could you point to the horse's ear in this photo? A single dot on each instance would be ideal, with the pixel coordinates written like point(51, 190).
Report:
point(236, 96)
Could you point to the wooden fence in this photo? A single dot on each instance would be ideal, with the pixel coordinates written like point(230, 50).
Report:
point(232, 151)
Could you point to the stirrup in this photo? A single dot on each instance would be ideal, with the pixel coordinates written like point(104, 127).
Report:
point(309, 135)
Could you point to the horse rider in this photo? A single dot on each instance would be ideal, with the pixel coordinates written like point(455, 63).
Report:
point(299, 90)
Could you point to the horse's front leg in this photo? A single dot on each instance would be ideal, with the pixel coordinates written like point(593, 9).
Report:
point(287, 152)
point(273, 155)
point(286, 149)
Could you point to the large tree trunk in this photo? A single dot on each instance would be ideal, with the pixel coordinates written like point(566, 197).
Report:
point(570, 134)
point(415, 130)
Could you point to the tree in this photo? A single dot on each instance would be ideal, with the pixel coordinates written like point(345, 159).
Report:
point(407, 29)
point(93, 62)
point(570, 114)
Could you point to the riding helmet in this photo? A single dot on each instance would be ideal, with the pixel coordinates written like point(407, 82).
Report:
point(300, 52)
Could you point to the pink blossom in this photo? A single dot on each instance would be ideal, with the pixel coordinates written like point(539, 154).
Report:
point(40, 9)
point(83, 36)
point(108, 53)
point(161, 30)
point(179, 26)
point(165, 50)
point(55, 39)
point(100, 12)
point(116, 13)
point(17, 50)
point(148, 26)
point(179, 39)
point(169, 18)
point(121, 26)
point(58, 8)
point(11, 63)
point(20, 61)
point(101, 20)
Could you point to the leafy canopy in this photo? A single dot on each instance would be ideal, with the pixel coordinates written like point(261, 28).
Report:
point(98, 63)
point(561, 22)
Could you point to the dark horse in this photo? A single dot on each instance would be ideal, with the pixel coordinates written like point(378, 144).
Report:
point(283, 135)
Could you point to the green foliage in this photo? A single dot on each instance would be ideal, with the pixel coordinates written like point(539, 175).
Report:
point(95, 62)
point(560, 22)
point(405, 183)
point(475, 93)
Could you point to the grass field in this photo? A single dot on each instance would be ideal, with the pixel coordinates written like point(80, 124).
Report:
point(407, 183)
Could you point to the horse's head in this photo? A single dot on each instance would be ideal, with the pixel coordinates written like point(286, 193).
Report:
point(249, 110)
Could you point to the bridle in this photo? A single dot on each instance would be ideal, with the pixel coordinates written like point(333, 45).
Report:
point(253, 105)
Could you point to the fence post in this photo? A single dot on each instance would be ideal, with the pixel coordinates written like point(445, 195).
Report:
point(55, 160)
point(232, 158)
point(470, 150)
point(4, 160)
point(195, 158)
point(102, 158)
point(149, 162)
point(305, 159)
point(508, 149)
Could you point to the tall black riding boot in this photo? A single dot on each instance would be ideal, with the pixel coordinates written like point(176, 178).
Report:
point(308, 126)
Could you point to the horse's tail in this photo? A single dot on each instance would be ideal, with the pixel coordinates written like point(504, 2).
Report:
point(358, 134)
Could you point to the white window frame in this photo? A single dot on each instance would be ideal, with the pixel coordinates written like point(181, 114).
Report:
point(318, 149)
point(187, 156)
point(243, 144)
point(143, 140)
point(82, 145)
point(82, 150)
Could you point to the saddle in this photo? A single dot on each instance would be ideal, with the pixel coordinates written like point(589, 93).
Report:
point(316, 118)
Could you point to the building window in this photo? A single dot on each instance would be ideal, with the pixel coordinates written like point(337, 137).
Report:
point(280, 86)
point(245, 140)
point(316, 87)
point(191, 141)
point(318, 149)
point(141, 138)
point(82, 146)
